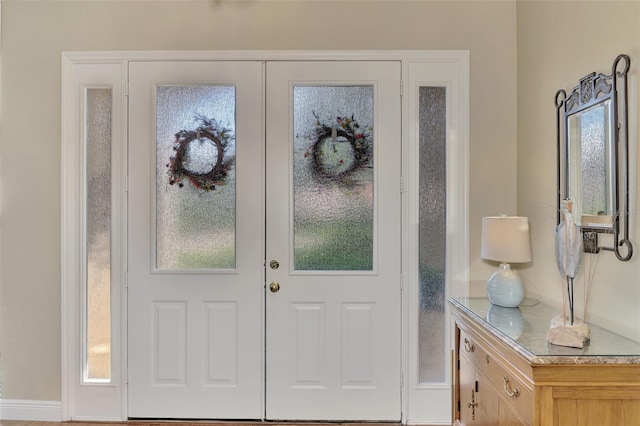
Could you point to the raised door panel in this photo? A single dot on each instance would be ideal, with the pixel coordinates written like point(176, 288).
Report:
point(467, 392)
point(478, 398)
point(487, 402)
point(506, 415)
point(590, 406)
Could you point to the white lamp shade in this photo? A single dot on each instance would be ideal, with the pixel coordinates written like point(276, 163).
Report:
point(506, 239)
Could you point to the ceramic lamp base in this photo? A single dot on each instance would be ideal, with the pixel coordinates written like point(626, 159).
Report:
point(505, 288)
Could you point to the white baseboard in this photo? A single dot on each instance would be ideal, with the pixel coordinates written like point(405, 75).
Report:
point(94, 419)
point(20, 409)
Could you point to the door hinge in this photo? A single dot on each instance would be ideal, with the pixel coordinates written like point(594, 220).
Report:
point(401, 185)
point(401, 88)
point(126, 87)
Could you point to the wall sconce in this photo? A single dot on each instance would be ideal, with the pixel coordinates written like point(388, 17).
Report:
point(505, 239)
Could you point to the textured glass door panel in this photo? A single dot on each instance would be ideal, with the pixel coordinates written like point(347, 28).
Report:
point(432, 238)
point(195, 177)
point(98, 235)
point(333, 178)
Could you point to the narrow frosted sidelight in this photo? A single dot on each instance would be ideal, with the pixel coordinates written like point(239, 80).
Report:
point(333, 178)
point(195, 215)
point(432, 237)
point(98, 235)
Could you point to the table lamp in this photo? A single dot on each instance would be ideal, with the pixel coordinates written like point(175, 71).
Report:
point(505, 239)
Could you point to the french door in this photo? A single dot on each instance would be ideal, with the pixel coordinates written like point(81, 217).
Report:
point(333, 225)
point(264, 240)
point(195, 268)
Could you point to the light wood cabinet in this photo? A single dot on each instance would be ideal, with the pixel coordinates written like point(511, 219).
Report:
point(513, 377)
point(492, 391)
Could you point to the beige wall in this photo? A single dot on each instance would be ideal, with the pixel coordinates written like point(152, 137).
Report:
point(34, 33)
point(558, 43)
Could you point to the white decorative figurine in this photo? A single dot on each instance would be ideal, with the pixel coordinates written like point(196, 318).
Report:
point(566, 329)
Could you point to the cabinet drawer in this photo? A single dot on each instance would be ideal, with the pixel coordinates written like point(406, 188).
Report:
point(476, 353)
point(508, 385)
point(512, 390)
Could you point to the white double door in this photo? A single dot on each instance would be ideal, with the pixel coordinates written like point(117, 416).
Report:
point(264, 240)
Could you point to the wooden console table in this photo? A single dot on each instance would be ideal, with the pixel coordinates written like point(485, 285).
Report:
point(507, 373)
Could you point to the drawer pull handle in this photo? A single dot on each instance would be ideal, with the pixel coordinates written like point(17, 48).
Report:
point(469, 347)
point(507, 388)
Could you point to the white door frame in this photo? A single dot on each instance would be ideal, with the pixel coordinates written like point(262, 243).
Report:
point(108, 401)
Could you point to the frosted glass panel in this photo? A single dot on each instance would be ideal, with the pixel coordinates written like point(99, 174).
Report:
point(588, 132)
point(333, 178)
point(195, 177)
point(98, 211)
point(432, 238)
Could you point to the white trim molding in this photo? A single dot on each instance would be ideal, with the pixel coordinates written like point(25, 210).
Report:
point(108, 402)
point(430, 403)
point(82, 399)
point(20, 409)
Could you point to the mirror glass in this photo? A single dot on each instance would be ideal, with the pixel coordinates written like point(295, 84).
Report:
point(590, 166)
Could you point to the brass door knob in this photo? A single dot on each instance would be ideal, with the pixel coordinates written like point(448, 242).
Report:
point(274, 287)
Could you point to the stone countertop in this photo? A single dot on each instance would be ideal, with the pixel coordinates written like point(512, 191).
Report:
point(525, 330)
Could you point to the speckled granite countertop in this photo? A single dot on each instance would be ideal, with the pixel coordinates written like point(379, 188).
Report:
point(525, 330)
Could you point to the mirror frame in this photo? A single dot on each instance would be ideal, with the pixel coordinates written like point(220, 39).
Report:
point(595, 90)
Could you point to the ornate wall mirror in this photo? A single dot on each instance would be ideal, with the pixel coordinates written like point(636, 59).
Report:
point(593, 158)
